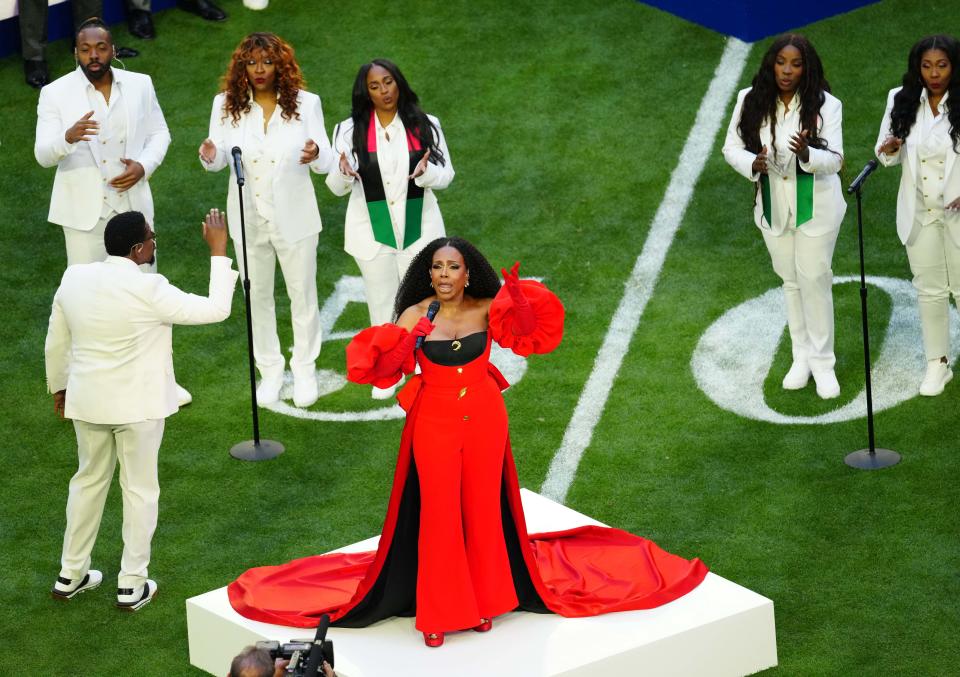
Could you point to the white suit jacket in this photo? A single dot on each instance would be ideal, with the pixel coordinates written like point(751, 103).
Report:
point(907, 196)
point(109, 339)
point(77, 198)
point(828, 203)
point(358, 240)
point(295, 203)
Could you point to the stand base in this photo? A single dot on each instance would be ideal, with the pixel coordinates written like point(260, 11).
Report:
point(865, 460)
point(251, 451)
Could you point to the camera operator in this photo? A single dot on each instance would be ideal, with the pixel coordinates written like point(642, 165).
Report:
point(256, 662)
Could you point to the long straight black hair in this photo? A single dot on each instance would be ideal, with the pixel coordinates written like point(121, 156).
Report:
point(760, 104)
point(408, 108)
point(906, 102)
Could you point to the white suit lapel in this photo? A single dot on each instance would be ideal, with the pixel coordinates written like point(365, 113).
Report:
point(78, 106)
point(129, 110)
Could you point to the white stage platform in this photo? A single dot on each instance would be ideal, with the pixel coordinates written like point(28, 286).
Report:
point(718, 629)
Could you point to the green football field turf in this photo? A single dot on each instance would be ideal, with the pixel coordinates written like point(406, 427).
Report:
point(564, 121)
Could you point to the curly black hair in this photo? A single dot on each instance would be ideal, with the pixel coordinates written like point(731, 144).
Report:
point(760, 103)
point(484, 283)
point(906, 102)
point(408, 108)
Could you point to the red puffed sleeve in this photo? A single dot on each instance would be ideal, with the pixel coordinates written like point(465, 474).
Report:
point(364, 353)
point(549, 313)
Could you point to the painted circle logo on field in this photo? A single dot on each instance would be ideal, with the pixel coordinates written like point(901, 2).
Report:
point(734, 355)
point(349, 289)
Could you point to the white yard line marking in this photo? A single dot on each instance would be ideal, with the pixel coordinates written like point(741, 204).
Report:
point(643, 279)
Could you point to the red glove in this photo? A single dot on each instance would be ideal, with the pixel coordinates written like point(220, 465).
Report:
point(391, 362)
point(524, 319)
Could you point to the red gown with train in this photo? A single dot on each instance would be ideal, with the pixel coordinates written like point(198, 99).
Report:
point(454, 546)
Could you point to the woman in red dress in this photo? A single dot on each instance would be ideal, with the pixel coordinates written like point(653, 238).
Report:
point(454, 550)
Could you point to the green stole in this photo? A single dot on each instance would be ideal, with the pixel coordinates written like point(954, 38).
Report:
point(376, 197)
point(804, 196)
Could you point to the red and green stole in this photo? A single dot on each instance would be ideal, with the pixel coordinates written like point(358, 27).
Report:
point(376, 196)
point(804, 196)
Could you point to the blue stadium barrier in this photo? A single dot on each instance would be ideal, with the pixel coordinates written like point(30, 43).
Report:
point(60, 23)
point(752, 20)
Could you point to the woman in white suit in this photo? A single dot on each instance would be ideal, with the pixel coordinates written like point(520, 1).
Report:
point(921, 133)
point(785, 136)
point(264, 111)
point(392, 157)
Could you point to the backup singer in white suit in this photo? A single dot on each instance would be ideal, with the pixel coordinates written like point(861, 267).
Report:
point(281, 134)
point(785, 136)
point(109, 366)
point(921, 133)
point(393, 157)
point(104, 132)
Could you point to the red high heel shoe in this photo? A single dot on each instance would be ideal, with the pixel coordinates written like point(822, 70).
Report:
point(486, 625)
point(433, 639)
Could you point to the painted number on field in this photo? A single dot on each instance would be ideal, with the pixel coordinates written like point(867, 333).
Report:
point(733, 357)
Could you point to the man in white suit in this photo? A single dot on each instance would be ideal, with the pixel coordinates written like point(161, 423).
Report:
point(105, 133)
point(110, 368)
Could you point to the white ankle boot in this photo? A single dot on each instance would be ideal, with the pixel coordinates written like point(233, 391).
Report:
point(938, 375)
point(798, 376)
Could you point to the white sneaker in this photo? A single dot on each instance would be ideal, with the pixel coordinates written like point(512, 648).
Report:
point(383, 393)
point(827, 385)
point(65, 589)
point(938, 375)
point(798, 376)
point(268, 391)
point(131, 599)
point(183, 396)
point(256, 4)
point(305, 391)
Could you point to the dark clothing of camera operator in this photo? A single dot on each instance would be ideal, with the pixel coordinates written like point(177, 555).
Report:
point(256, 662)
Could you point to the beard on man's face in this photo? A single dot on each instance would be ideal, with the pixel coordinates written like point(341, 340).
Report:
point(95, 73)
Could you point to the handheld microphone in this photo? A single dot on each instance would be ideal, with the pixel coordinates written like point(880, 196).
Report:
point(431, 313)
point(316, 652)
point(237, 165)
point(862, 176)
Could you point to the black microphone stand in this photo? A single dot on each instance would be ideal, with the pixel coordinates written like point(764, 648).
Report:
point(870, 458)
point(255, 449)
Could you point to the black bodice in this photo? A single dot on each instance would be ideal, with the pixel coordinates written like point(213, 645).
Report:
point(448, 354)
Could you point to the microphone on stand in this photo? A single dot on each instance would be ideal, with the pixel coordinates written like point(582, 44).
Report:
point(431, 313)
point(237, 165)
point(861, 177)
point(870, 458)
point(255, 449)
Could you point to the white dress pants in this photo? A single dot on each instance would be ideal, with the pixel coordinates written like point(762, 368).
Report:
point(935, 264)
point(86, 246)
point(298, 262)
point(99, 447)
point(381, 279)
point(804, 265)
